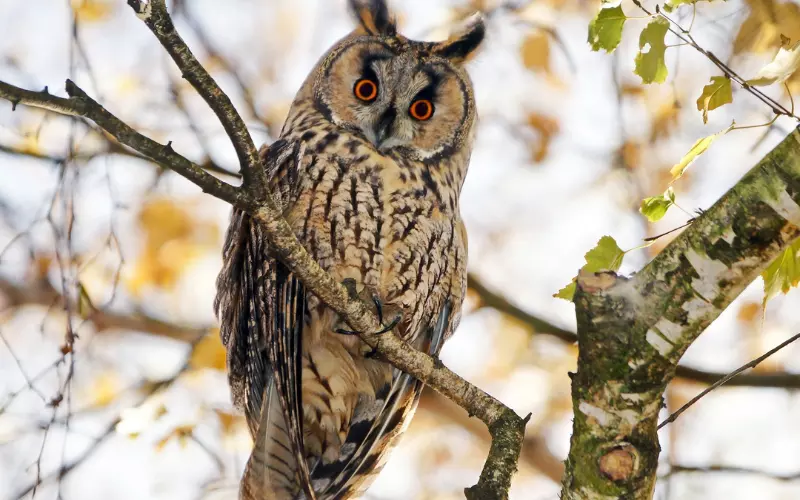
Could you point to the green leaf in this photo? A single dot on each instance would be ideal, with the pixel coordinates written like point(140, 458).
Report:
point(656, 207)
point(674, 4)
point(650, 65)
point(784, 64)
point(567, 292)
point(605, 256)
point(85, 305)
point(605, 30)
point(715, 94)
point(670, 5)
point(783, 273)
point(697, 149)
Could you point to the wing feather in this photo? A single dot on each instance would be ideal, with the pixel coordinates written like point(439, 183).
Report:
point(374, 427)
point(262, 308)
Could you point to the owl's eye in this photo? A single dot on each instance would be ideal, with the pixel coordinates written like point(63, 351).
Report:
point(366, 90)
point(421, 109)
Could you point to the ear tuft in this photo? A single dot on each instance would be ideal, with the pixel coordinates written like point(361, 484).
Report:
point(374, 17)
point(462, 44)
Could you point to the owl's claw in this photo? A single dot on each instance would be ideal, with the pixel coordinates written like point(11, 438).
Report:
point(379, 312)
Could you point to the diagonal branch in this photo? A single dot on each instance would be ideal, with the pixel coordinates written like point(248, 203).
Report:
point(155, 16)
point(542, 326)
point(80, 104)
point(505, 426)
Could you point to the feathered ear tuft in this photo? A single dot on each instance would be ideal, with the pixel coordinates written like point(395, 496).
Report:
point(374, 17)
point(462, 44)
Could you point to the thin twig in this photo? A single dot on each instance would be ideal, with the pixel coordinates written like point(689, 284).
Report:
point(751, 364)
point(155, 16)
point(727, 469)
point(688, 39)
point(505, 426)
point(80, 104)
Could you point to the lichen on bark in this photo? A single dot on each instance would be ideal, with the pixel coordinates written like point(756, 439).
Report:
point(632, 332)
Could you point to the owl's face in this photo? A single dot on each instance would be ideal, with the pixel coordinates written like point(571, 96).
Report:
point(398, 94)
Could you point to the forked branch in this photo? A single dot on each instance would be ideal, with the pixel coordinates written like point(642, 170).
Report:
point(506, 427)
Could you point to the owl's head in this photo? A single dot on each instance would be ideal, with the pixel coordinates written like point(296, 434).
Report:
point(399, 94)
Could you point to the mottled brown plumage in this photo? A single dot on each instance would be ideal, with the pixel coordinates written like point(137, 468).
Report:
point(371, 190)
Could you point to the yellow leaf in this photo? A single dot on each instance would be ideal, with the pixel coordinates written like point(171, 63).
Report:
point(182, 433)
point(88, 11)
point(605, 256)
point(173, 239)
point(696, 150)
point(229, 421)
point(209, 353)
point(536, 51)
point(665, 119)
point(85, 305)
point(547, 128)
point(104, 389)
point(748, 312)
point(784, 272)
point(605, 30)
point(632, 90)
point(655, 207)
point(715, 94)
point(163, 220)
point(631, 154)
point(767, 22)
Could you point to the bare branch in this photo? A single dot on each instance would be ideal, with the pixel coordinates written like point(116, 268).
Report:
point(542, 326)
point(746, 366)
point(61, 472)
point(726, 469)
point(506, 427)
point(80, 104)
point(42, 293)
point(155, 16)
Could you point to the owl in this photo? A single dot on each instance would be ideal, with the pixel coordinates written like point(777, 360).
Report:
point(367, 171)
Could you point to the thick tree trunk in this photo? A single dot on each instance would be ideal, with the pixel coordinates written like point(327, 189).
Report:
point(633, 331)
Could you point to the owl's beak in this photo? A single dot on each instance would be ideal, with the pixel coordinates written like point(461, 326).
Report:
point(383, 130)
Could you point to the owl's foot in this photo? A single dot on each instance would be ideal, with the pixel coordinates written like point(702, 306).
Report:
point(379, 309)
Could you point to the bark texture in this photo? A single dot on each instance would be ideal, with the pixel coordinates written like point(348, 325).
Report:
point(632, 332)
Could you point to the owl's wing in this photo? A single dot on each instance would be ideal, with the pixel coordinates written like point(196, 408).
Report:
point(242, 300)
point(374, 426)
point(261, 307)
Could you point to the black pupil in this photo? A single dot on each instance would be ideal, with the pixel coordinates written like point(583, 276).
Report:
point(422, 108)
point(367, 88)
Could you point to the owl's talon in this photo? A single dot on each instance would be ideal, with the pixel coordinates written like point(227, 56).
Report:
point(378, 308)
point(391, 325)
point(385, 329)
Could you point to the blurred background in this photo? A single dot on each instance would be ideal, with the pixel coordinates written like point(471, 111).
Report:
point(112, 382)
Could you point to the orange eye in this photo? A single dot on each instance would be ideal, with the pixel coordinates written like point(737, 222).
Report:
point(421, 110)
point(366, 90)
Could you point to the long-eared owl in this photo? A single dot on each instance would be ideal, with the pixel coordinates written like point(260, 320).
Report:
point(367, 171)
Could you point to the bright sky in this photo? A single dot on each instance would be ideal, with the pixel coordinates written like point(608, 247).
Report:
point(529, 226)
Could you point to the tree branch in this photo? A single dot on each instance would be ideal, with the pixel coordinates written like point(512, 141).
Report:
point(506, 427)
point(632, 332)
point(80, 104)
point(42, 293)
point(542, 326)
point(155, 16)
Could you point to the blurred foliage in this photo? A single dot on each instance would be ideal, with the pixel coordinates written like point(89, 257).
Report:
point(173, 239)
point(171, 234)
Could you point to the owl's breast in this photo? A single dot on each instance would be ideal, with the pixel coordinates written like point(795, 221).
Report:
point(370, 218)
